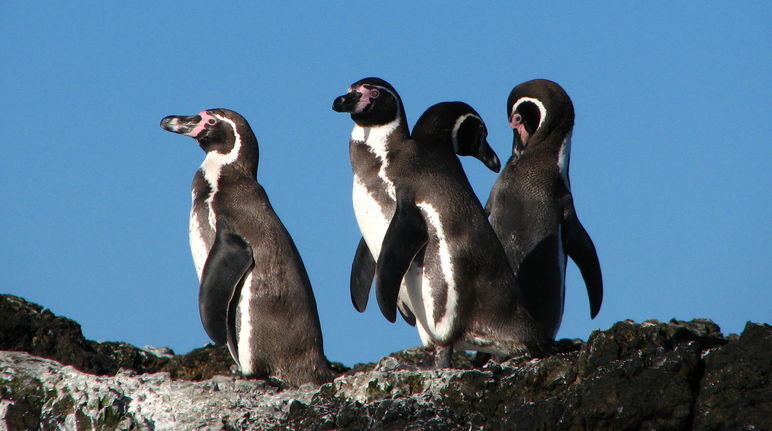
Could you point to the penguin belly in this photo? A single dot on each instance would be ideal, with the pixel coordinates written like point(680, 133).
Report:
point(371, 217)
point(200, 236)
point(245, 327)
point(373, 223)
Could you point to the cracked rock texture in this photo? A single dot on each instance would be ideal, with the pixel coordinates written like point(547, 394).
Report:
point(647, 376)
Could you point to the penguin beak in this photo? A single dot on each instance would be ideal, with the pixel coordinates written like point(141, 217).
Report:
point(347, 102)
point(180, 124)
point(486, 155)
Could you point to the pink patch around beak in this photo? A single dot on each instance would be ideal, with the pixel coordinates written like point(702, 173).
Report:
point(515, 122)
point(205, 117)
point(364, 100)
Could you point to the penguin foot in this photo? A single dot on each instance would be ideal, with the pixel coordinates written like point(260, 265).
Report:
point(443, 356)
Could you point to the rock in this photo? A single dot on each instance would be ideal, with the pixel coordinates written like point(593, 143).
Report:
point(28, 327)
point(41, 393)
point(736, 389)
point(677, 375)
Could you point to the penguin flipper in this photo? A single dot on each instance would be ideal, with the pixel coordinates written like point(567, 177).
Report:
point(407, 313)
point(404, 238)
point(229, 260)
point(362, 272)
point(579, 246)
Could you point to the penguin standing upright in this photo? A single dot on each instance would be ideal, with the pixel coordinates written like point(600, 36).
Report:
point(380, 125)
point(468, 297)
point(531, 207)
point(255, 294)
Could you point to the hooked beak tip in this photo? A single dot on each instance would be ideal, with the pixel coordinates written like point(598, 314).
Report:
point(495, 164)
point(181, 125)
point(346, 103)
point(169, 123)
point(337, 104)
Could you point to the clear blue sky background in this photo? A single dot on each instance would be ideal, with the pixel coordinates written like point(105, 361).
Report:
point(670, 165)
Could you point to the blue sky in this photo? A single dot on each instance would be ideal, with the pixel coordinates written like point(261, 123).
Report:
point(669, 167)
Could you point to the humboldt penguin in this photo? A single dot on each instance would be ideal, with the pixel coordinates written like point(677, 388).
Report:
point(255, 295)
point(380, 125)
point(468, 297)
point(531, 207)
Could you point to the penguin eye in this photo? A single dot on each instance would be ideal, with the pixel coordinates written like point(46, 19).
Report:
point(517, 118)
point(374, 94)
point(212, 121)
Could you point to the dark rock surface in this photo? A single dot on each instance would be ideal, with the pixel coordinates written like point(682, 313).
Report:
point(28, 327)
point(648, 376)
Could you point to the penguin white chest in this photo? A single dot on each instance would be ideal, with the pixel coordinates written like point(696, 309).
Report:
point(371, 219)
point(198, 230)
point(246, 331)
point(197, 237)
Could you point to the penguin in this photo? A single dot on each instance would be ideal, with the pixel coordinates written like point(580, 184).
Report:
point(255, 295)
point(380, 124)
point(531, 207)
point(468, 297)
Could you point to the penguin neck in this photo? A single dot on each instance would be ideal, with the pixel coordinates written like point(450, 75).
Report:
point(554, 131)
point(546, 138)
point(381, 139)
point(369, 149)
point(242, 159)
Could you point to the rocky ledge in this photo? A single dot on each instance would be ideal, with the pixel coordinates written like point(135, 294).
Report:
point(652, 375)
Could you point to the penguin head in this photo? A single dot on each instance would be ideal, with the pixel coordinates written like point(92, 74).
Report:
point(220, 131)
point(461, 126)
point(371, 102)
point(539, 111)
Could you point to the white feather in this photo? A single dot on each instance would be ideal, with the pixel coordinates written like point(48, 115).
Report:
point(537, 102)
point(198, 246)
point(244, 339)
point(454, 132)
point(440, 329)
point(214, 162)
point(372, 220)
point(411, 289)
point(564, 158)
point(376, 139)
point(370, 217)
